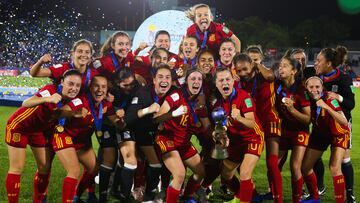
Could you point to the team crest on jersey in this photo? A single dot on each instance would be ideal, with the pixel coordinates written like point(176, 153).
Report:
point(175, 97)
point(58, 66)
point(135, 100)
point(96, 64)
point(212, 38)
point(16, 137)
point(76, 101)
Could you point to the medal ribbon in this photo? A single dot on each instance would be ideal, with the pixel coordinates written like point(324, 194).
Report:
point(203, 43)
point(61, 121)
point(97, 119)
point(192, 106)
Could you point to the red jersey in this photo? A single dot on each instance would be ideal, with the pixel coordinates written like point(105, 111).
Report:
point(177, 128)
point(109, 64)
point(38, 118)
point(298, 94)
point(58, 70)
point(217, 32)
point(323, 122)
point(263, 93)
point(84, 127)
point(242, 101)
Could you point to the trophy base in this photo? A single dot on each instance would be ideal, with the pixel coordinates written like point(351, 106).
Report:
point(219, 153)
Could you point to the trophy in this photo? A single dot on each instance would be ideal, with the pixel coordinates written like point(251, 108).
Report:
point(219, 134)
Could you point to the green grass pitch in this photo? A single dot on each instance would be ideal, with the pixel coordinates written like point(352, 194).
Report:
point(58, 173)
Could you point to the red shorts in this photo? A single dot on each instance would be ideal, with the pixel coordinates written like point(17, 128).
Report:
point(272, 128)
point(239, 147)
point(167, 145)
point(17, 138)
point(289, 139)
point(62, 141)
point(321, 142)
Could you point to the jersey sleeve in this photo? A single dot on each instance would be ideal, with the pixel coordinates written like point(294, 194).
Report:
point(46, 91)
point(139, 101)
point(58, 70)
point(173, 99)
point(75, 104)
point(247, 105)
point(224, 31)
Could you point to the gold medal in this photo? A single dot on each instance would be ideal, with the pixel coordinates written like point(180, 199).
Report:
point(198, 124)
point(59, 128)
point(99, 133)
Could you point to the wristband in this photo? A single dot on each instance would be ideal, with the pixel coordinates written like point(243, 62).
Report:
point(145, 111)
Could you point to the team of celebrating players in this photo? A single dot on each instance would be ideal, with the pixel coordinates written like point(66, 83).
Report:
point(144, 110)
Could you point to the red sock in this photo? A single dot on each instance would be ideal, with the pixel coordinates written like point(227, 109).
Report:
point(233, 184)
point(172, 195)
point(13, 187)
point(275, 177)
point(68, 189)
point(246, 190)
point(297, 189)
point(191, 187)
point(339, 188)
point(41, 182)
point(311, 184)
point(139, 177)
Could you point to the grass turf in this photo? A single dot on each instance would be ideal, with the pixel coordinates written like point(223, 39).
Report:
point(260, 178)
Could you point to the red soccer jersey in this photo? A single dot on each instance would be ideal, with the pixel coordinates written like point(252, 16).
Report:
point(106, 66)
point(263, 92)
point(216, 34)
point(58, 70)
point(177, 128)
point(242, 101)
point(38, 118)
point(298, 94)
point(324, 123)
point(84, 127)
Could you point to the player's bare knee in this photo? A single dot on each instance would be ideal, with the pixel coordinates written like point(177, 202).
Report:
point(245, 174)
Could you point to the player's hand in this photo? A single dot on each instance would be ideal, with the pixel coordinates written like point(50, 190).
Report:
point(181, 110)
point(235, 113)
point(46, 58)
point(179, 72)
point(154, 108)
point(142, 46)
point(55, 98)
point(120, 113)
point(236, 77)
point(333, 95)
point(81, 113)
point(322, 104)
point(289, 103)
point(172, 63)
point(110, 97)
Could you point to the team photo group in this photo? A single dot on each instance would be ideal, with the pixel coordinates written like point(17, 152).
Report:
point(145, 109)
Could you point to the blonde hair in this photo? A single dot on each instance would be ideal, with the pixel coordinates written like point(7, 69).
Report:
point(83, 41)
point(191, 12)
point(106, 48)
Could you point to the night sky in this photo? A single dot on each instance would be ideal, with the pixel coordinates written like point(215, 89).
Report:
point(128, 14)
